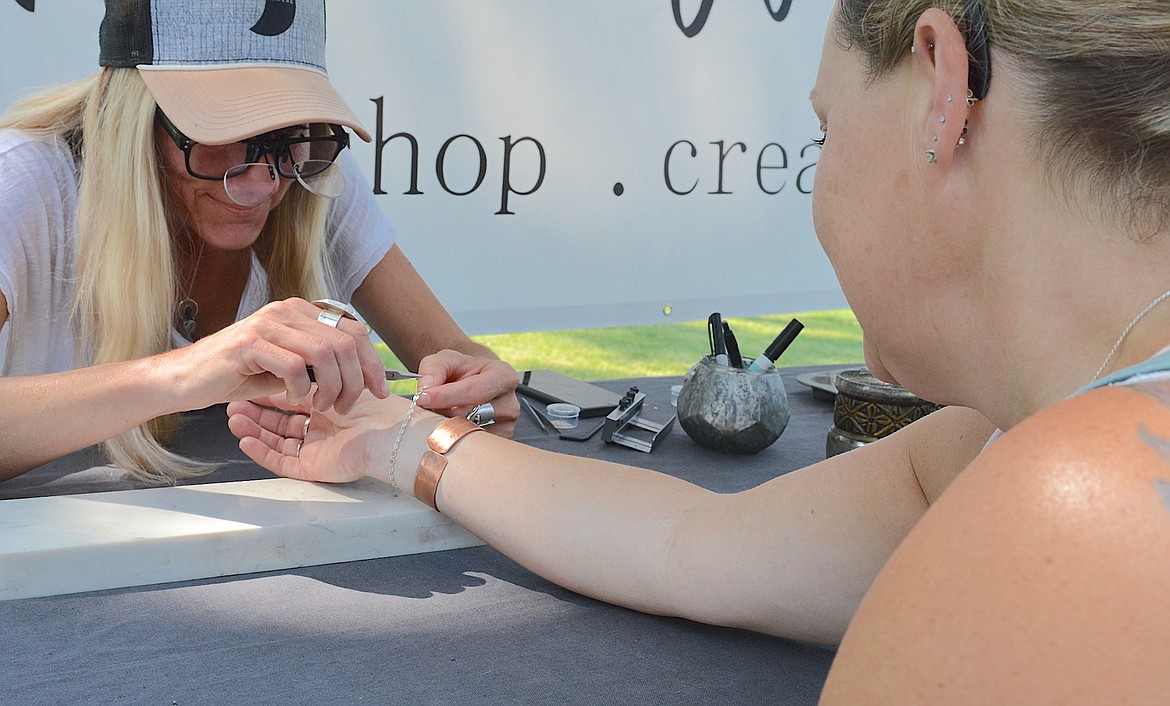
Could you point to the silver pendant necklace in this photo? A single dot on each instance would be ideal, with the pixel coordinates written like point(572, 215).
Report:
point(1141, 314)
point(188, 308)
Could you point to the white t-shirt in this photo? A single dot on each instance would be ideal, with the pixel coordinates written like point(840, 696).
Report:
point(38, 210)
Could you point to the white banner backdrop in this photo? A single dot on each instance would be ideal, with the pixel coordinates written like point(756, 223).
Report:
point(553, 164)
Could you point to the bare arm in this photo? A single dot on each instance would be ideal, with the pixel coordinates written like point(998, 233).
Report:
point(458, 373)
point(792, 557)
point(49, 416)
point(407, 315)
point(1039, 577)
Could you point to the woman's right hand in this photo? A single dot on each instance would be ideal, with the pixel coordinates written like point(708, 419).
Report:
point(270, 352)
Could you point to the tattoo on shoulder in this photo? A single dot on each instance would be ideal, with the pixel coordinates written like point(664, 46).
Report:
point(1162, 447)
point(1159, 390)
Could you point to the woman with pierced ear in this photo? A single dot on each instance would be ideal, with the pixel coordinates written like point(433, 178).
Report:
point(1007, 256)
point(166, 227)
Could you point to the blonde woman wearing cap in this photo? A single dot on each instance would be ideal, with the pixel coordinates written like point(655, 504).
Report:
point(1004, 237)
point(164, 226)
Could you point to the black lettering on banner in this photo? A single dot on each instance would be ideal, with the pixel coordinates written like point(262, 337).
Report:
point(380, 144)
point(696, 25)
point(807, 167)
point(781, 12)
point(760, 167)
point(722, 158)
point(507, 187)
point(765, 161)
point(666, 168)
point(441, 169)
point(506, 179)
point(772, 157)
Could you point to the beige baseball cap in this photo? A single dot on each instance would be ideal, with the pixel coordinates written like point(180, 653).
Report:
point(226, 70)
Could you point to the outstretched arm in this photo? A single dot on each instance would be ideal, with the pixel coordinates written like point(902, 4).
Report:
point(459, 372)
point(48, 416)
point(791, 557)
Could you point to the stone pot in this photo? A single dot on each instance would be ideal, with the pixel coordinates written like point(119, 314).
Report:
point(734, 410)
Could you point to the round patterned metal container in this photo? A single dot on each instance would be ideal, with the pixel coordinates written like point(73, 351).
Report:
point(867, 409)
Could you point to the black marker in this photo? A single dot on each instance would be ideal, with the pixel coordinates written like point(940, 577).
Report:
point(718, 341)
point(777, 347)
point(733, 355)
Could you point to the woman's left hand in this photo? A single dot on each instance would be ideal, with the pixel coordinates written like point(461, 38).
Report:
point(296, 441)
point(455, 383)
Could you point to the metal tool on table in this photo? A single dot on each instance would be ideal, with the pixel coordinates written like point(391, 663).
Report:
point(620, 423)
point(390, 375)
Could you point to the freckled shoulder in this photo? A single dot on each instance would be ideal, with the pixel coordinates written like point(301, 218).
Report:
point(1040, 575)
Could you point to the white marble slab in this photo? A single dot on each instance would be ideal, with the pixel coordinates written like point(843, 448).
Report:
point(74, 543)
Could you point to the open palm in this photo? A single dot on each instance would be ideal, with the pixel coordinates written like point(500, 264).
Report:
point(330, 448)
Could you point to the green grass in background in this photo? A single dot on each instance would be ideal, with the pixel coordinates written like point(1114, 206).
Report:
point(829, 337)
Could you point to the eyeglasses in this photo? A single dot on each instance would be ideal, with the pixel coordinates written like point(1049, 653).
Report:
point(249, 175)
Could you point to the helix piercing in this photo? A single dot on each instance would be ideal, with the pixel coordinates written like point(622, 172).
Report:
point(931, 156)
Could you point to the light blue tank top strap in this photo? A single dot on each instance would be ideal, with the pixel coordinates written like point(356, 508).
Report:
point(1157, 364)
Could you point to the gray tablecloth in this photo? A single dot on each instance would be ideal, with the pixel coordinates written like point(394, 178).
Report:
point(462, 626)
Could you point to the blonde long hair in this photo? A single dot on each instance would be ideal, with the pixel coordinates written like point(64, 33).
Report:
point(1096, 80)
point(122, 228)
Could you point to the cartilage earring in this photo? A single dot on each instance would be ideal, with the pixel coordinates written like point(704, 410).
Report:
point(950, 98)
point(931, 156)
point(942, 118)
point(971, 98)
point(934, 137)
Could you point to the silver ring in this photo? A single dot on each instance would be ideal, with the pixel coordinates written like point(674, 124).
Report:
point(305, 431)
point(340, 308)
point(329, 318)
point(297, 453)
point(483, 415)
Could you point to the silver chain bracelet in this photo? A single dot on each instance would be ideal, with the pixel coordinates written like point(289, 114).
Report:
point(398, 441)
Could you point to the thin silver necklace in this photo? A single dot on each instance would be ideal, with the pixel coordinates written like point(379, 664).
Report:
point(188, 308)
point(1149, 307)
